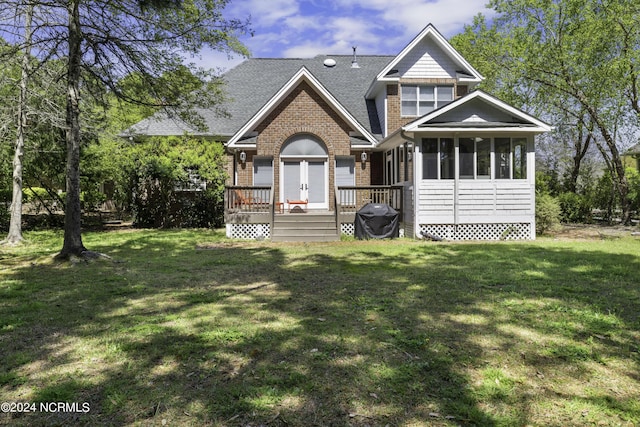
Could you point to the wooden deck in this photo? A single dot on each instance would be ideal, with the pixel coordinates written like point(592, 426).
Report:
point(247, 205)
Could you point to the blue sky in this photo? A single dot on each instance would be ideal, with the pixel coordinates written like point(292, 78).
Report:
point(305, 28)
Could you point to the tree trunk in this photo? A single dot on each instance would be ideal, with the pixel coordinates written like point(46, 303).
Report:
point(615, 166)
point(580, 149)
point(15, 225)
point(72, 245)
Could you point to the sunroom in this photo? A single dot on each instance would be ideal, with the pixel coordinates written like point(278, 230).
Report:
point(472, 170)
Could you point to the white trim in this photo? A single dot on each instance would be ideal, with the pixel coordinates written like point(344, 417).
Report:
point(303, 74)
point(540, 126)
point(385, 129)
point(476, 131)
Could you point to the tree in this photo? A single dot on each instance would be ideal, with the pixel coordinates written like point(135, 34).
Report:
point(15, 225)
point(579, 57)
point(105, 40)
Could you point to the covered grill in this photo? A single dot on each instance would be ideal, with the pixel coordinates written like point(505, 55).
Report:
point(377, 221)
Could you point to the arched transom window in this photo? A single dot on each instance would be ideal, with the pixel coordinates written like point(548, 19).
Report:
point(303, 145)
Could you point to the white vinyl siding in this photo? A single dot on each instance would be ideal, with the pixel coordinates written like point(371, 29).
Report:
point(427, 60)
point(436, 201)
point(472, 202)
point(477, 195)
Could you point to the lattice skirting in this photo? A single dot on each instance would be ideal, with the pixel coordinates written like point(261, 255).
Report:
point(518, 231)
point(347, 228)
point(249, 231)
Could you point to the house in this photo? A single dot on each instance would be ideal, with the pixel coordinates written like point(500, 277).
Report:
point(310, 141)
point(631, 157)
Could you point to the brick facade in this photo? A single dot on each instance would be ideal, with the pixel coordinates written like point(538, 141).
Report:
point(302, 111)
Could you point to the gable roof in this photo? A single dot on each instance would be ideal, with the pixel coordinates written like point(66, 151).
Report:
point(303, 75)
point(253, 83)
point(476, 112)
point(466, 72)
point(494, 113)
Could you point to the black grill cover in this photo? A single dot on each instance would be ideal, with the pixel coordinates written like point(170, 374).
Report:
point(377, 221)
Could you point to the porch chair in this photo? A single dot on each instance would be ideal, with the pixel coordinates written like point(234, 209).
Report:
point(240, 199)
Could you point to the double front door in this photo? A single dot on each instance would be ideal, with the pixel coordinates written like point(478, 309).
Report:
point(305, 179)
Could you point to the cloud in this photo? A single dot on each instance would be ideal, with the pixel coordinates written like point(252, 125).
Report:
point(265, 13)
point(215, 60)
point(305, 28)
point(448, 16)
point(337, 36)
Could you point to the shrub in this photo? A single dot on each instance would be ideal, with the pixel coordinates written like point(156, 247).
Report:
point(574, 208)
point(39, 200)
point(92, 199)
point(606, 198)
point(547, 213)
point(34, 194)
point(164, 168)
point(634, 189)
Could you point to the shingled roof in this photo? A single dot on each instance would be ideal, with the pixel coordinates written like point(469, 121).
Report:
point(251, 84)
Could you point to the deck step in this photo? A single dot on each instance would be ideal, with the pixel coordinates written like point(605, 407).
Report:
point(305, 227)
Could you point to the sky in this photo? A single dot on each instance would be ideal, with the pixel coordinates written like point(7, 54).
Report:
point(306, 28)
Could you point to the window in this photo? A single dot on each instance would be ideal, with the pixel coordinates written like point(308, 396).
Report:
point(262, 171)
point(418, 100)
point(475, 155)
point(519, 158)
point(467, 151)
point(447, 159)
point(430, 158)
point(303, 145)
point(503, 158)
point(483, 153)
point(475, 158)
point(438, 158)
point(511, 158)
point(345, 171)
point(346, 177)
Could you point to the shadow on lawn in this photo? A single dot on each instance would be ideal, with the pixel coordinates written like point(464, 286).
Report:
point(251, 335)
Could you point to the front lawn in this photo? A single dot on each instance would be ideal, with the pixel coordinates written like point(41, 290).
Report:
point(188, 328)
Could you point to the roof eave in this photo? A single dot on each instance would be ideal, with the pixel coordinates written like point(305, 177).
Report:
point(481, 129)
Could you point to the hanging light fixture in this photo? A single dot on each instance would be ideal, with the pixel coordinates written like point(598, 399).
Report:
point(243, 157)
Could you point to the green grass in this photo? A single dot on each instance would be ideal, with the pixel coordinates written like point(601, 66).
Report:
point(188, 328)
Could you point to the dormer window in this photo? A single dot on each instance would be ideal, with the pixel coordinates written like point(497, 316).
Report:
point(418, 100)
